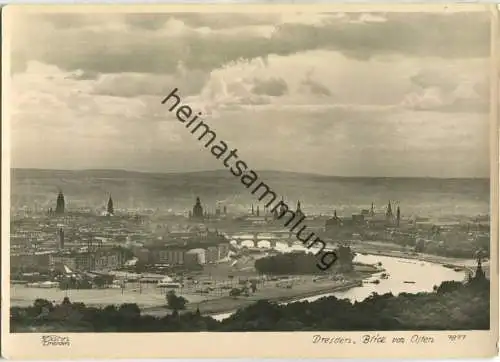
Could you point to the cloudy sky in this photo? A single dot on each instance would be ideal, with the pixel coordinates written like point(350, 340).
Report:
point(352, 94)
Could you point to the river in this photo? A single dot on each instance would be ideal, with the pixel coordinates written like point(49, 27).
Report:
point(424, 274)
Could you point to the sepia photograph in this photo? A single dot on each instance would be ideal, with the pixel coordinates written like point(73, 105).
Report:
point(199, 169)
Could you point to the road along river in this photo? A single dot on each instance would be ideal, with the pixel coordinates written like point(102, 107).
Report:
point(424, 275)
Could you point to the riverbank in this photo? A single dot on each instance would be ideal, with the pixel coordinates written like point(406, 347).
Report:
point(393, 261)
point(227, 305)
point(305, 287)
point(297, 292)
point(297, 287)
point(152, 301)
point(466, 264)
point(290, 298)
point(424, 310)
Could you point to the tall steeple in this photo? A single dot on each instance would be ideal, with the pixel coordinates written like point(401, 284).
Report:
point(398, 216)
point(299, 212)
point(111, 210)
point(480, 274)
point(372, 210)
point(389, 210)
point(198, 209)
point(60, 203)
point(283, 207)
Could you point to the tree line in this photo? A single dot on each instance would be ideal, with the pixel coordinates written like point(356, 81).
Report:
point(304, 263)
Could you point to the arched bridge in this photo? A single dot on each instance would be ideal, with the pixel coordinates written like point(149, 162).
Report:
point(258, 238)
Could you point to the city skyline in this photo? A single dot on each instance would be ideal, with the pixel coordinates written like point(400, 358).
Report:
point(411, 105)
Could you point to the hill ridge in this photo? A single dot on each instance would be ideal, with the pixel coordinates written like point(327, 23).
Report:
point(226, 172)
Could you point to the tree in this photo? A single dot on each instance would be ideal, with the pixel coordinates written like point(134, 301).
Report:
point(129, 310)
point(345, 257)
point(449, 286)
point(175, 302)
point(39, 304)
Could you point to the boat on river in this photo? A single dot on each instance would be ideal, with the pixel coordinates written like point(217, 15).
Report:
point(409, 282)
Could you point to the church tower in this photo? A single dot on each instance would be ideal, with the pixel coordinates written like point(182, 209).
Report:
point(197, 209)
point(111, 210)
point(60, 204)
point(388, 214)
point(480, 274)
point(398, 216)
point(299, 212)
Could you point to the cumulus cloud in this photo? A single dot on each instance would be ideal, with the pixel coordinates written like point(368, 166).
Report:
point(379, 94)
point(310, 85)
point(449, 90)
point(134, 84)
point(118, 45)
point(75, 128)
point(274, 87)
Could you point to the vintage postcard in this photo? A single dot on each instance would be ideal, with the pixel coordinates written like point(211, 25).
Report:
point(249, 181)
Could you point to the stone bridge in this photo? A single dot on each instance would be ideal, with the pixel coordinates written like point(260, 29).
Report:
point(272, 237)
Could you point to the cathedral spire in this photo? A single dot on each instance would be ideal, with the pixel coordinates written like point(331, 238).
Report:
point(198, 210)
point(60, 204)
point(389, 209)
point(111, 210)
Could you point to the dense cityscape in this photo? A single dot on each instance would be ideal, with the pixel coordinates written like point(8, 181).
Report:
point(212, 263)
